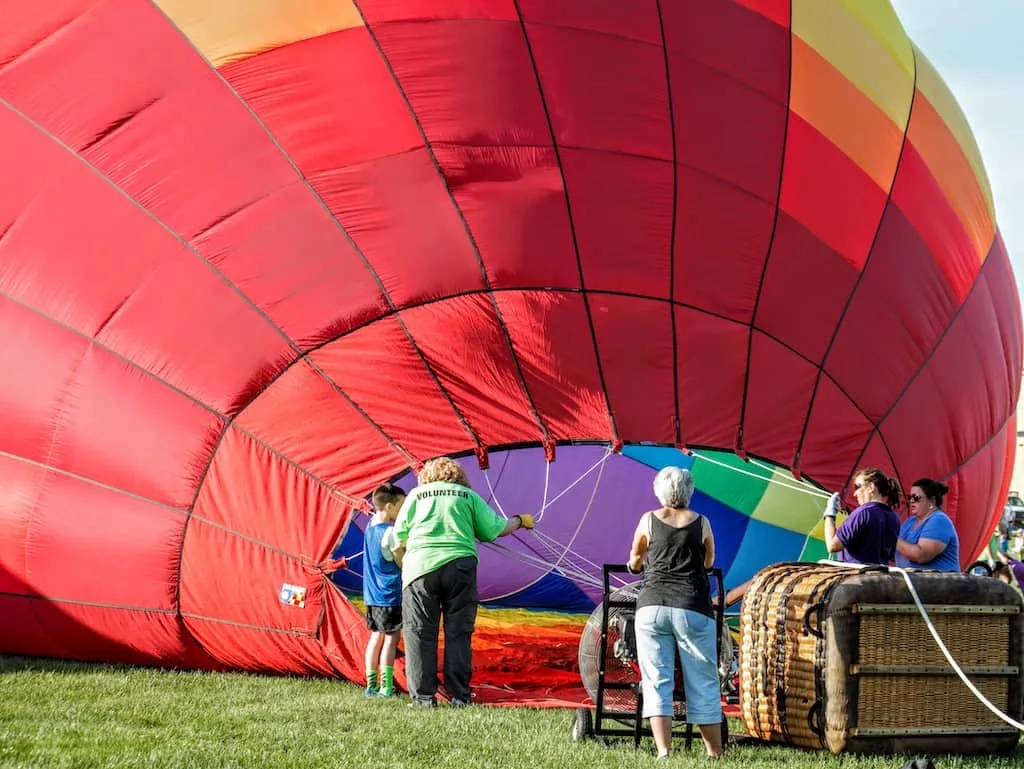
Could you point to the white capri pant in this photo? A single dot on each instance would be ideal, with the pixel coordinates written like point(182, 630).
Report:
point(660, 630)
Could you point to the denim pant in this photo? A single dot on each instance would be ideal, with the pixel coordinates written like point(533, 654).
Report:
point(448, 592)
point(660, 630)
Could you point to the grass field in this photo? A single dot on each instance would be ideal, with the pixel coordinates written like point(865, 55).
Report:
point(60, 714)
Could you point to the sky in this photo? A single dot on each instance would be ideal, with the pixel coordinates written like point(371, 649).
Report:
point(975, 45)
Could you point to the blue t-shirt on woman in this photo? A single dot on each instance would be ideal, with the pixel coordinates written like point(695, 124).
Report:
point(936, 526)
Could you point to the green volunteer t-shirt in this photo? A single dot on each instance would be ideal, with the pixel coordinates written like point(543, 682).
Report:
point(440, 522)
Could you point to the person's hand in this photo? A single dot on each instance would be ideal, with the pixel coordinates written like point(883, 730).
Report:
point(832, 508)
point(526, 520)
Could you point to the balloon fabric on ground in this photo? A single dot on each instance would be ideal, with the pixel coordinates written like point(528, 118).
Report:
point(258, 257)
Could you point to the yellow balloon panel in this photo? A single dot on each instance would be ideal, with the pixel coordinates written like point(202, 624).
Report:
point(230, 30)
point(790, 504)
point(864, 59)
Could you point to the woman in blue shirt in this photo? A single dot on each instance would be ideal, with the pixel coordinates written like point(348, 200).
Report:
point(928, 539)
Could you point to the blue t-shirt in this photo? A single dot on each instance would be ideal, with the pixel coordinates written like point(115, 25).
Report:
point(869, 535)
point(382, 579)
point(936, 526)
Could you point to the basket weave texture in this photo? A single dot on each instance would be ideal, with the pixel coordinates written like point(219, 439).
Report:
point(837, 659)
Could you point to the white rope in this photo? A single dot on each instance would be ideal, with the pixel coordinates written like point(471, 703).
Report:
point(546, 562)
point(949, 657)
point(569, 570)
point(588, 471)
point(771, 470)
point(583, 565)
point(762, 465)
point(796, 486)
point(567, 548)
point(581, 576)
point(942, 647)
point(566, 568)
point(597, 568)
point(563, 562)
point(544, 498)
point(497, 503)
point(574, 572)
point(586, 510)
point(569, 562)
point(557, 546)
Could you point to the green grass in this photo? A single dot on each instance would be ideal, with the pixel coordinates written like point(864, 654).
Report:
point(62, 715)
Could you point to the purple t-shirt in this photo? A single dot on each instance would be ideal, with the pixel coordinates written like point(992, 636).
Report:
point(869, 535)
point(1017, 567)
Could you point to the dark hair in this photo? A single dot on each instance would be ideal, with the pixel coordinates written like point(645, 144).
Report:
point(385, 493)
point(932, 489)
point(888, 487)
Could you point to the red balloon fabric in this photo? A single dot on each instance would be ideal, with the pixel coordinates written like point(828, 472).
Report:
point(258, 256)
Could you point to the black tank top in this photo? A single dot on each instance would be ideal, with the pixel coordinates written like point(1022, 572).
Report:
point(675, 575)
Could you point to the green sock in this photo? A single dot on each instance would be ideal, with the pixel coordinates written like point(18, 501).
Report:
point(371, 679)
point(387, 677)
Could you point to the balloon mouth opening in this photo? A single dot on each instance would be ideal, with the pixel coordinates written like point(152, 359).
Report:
point(538, 588)
point(574, 487)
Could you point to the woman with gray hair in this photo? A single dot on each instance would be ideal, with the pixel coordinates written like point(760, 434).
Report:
point(674, 611)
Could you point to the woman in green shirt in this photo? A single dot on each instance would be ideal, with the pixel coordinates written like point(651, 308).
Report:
point(436, 533)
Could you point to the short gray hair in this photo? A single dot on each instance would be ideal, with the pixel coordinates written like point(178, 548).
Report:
point(673, 486)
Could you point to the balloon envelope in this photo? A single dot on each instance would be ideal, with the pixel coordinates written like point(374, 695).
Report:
point(258, 257)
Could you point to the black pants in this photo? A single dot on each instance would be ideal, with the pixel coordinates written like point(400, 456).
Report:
point(448, 592)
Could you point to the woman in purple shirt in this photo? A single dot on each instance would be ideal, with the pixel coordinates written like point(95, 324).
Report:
point(869, 533)
point(1011, 572)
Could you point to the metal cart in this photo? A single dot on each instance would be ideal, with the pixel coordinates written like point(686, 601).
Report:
point(606, 720)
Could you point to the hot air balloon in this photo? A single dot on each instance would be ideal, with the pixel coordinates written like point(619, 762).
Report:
point(258, 257)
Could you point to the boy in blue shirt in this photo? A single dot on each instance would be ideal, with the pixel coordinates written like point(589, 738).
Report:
point(382, 591)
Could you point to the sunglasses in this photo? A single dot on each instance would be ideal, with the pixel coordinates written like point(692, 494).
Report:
point(915, 497)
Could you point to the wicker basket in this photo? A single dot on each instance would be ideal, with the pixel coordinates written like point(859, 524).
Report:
point(841, 659)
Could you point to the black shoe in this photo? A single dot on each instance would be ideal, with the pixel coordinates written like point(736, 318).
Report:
point(423, 702)
point(455, 702)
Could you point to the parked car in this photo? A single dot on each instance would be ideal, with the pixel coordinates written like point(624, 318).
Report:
point(1014, 510)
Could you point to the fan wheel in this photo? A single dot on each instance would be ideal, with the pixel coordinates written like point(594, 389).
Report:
point(583, 725)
